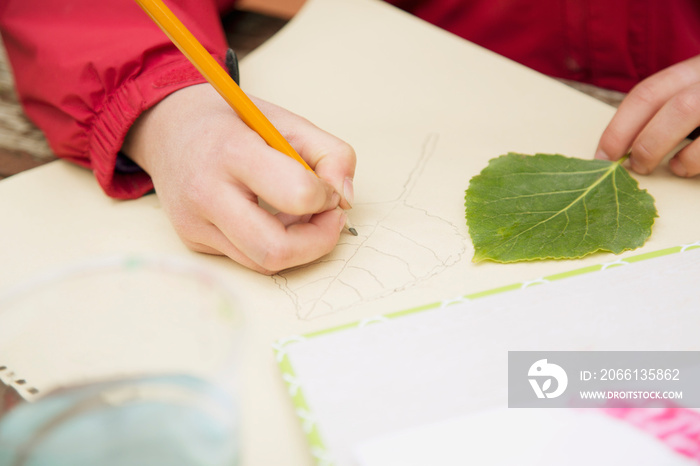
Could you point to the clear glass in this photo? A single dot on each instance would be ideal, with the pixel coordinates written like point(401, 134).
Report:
point(120, 360)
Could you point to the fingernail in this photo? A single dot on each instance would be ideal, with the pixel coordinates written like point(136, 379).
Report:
point(678, 168)
point(601, 155)
point(343, 218)
point(349, 191)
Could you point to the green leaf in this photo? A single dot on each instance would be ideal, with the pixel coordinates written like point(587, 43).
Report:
point(523, 207)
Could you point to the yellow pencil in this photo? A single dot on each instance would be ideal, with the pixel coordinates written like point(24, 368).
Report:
point(220, 79)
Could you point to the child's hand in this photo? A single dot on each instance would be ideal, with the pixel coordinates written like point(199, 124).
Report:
point(654, 118)
point(209, 168)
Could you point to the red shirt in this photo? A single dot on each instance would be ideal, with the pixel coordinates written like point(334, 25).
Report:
point(613, 44)
point(86, 69)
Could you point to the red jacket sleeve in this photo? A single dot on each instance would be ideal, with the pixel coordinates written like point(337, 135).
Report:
point(86, 69)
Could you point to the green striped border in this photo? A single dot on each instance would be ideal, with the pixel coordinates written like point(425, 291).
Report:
point(319, 450)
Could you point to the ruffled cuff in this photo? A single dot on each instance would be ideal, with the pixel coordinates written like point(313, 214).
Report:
point(120, 111)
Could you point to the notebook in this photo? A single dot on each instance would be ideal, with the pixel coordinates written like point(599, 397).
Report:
point(410, 369)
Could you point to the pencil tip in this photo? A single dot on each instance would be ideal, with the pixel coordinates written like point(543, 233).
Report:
point(353, 231)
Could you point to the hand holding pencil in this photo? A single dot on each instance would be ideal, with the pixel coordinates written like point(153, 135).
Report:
point(210, 165)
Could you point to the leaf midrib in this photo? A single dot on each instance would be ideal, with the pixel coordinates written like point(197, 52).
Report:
point(610, 170)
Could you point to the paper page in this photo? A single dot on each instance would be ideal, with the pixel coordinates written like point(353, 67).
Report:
point(425, 111)
point(386, 374)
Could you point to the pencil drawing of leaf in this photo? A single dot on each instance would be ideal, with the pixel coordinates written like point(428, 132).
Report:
point(523, 207)
point(400, 245)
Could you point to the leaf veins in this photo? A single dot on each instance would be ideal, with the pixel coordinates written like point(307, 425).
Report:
point(523, 207)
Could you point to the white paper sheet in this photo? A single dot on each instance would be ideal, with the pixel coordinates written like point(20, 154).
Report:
point(387, 374)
